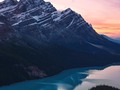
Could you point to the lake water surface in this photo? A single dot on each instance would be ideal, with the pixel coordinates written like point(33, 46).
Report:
point(75, 79)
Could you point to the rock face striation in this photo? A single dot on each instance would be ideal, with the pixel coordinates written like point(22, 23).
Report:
point(37, 41)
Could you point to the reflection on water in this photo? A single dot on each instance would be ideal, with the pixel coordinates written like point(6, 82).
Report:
point(109, 76)
point(76, 79)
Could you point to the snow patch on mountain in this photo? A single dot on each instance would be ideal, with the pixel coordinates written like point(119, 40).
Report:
point(1, 23)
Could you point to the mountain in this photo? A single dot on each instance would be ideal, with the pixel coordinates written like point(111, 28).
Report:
point(37, 41)
point(113, 40)
point(7, 3)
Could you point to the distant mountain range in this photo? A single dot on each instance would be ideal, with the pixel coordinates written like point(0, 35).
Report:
point(37, 41)
point(117, 40)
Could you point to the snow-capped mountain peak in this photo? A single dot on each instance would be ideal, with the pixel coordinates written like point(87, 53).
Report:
point(27, 5)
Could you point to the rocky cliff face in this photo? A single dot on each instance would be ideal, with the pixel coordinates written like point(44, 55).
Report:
point(34, 34)
point(7, 3)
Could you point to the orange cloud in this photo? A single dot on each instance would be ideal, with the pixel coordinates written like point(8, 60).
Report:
point(112, 30)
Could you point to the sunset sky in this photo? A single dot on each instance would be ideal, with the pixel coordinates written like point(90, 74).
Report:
point(104, 15)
